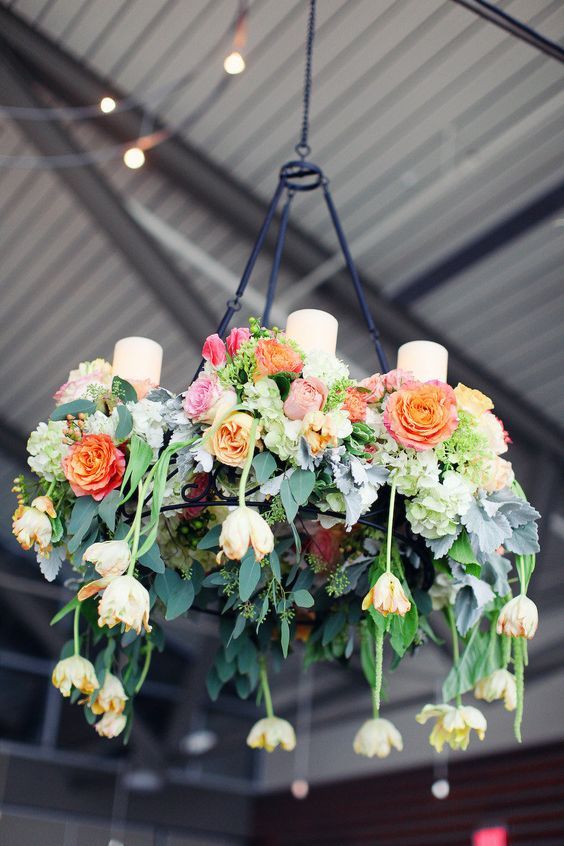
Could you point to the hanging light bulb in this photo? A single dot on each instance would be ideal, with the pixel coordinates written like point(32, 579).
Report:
point(440, 788)
point(300, 788)
point(107, 105)
point(134, 157)
point(234, 63)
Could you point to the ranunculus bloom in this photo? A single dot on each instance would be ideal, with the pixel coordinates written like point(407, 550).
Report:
point(94, 466)
point(387, 596)
point(325, 543)
point(97, 372)
point(126, 601)
point(498, 474)
point(235, 338)
point(198, 485)
point(421, 415)
point(110, 697)
point(244, 527)
point(110, 558)
point(31, 525)
point(205, 399)
point(214, 351)
point(355, 403)
point(305, 395)
point(230, 441)
point(469, 399)
point(271, 732)
point(499, 685)
point(453, 725)
point(111, 724)
point(75, 671)
point(376, 737)
point(376, 385)
point(274, 357)
point(518, 618)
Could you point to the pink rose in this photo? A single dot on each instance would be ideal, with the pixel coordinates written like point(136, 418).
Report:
point(205, 398)
point(235, 338)
point(394, 379)
point(375, 384)
point(306, 395)
point(214, 350)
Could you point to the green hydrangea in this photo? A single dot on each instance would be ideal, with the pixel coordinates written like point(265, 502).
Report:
point(337, 394)
point(264, 398)
point(47, 449)
point(466, 451)
point(436, 512)
point(283, 437)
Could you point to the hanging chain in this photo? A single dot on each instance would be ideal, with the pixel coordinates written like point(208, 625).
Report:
point(302, 148)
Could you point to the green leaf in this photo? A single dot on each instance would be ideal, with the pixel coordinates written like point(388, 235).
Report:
point(481, 657)
point(275, 565)
point(288, 501)
point(239, 627)
point(76, 407)
point(303, 598)
point(264, 465)
point(152, 560)
point(333, 626)
point(249, 575)
point(283, 381)
point(211, 539)
point(57, 529)
point(473, 568)
point(83, 512)
point(213, 684)
point(367, 660)
point(284, 637)
point(140, 457)
point(403, 630)
point(123, 390)
point(176, 593)
point(461, 550)
point(108, 507)
point(301, 485)
point(70, 606)
point(125, 423)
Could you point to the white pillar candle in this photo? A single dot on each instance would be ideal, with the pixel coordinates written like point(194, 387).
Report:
point(425, 359)
point(313, 329)
point(138, 360)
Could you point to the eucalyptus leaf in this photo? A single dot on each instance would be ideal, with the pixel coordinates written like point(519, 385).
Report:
point(284, 637)
point(125, 423)
point(123, 390)
point(288, 501)
point(264, 465)
point(211, 539)
point(108, 507)
point(176, 593)
point(76, 407)
point(152, 559)
point(140, 457)
point(301, 484)
point(303, 598)
point(249, 575)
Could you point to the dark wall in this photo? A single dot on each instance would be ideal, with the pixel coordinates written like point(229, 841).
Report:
point(524, 790)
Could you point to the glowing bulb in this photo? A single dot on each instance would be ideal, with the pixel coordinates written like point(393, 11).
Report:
point(134, 157)
point(440, 788)
point(107, 105)
point(234, 63)
point(299, 788)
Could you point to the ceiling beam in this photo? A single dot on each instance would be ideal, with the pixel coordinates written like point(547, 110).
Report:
point(152, 265)
point(233, 202)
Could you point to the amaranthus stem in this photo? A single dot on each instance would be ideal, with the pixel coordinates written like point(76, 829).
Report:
point(455, 647)
point(136, 528)
point(248, 462)
point(76, 630)
point(390, 527)
point(263, 675)
point(518, 664)
point(378, 658)
point(146, 665)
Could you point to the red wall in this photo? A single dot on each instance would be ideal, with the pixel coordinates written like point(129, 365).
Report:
point(523, 789)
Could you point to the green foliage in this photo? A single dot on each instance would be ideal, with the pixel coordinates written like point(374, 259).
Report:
point(83, 513)
point(76, 407)
point(140, 457)
point(123, 390)
point(108, 507)
point(176, 593)
point(249, 575)
point(337, 394)
point(264, 465)
point(482, 655)
point(461, 550)
point(125, 423)
point(301, 484)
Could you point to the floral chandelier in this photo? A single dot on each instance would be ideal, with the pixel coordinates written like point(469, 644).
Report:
point(310, 511)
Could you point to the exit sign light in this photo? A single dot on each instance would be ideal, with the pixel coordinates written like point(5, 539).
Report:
point(496, 836)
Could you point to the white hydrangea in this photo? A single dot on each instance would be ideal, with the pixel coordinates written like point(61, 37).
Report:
point(47, 449)
point(264, 397)
point(100, 424)
point(324, 366)
point(413, 472)
point(148, 421)
point(436, 512)
point(282, 437)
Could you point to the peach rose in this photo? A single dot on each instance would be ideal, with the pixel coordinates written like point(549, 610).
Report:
point(305, 395)
point(94, 465)
point(471, 400)
point(355, 403)
point(421, 414)
point(230, 442)
point(274, 357)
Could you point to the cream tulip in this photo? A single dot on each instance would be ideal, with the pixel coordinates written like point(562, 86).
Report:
point(271, 732)
point(518, 618)
point(377, 737)
point(110, 558)
point(126, 601)
point(453, 725)
point(31, 524)
point(244, 527)
point(111, 724)
point(387, 596)
point(110, 697)
point(498, 685)
point(75, 671)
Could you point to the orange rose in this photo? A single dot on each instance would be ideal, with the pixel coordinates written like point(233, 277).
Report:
point(421, 414)
point(273, 357)
point(230, 442)
point(355, 403)
point(94, 465)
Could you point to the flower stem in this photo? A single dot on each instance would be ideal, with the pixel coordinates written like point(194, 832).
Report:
point(136, 528)
point(248, 462)
point(390, 526)
point(76, 630)
point(146, 665)
point(505, 650)
point(455, 647)
point(378, 658)
point(265, 687)
point(518, 663)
